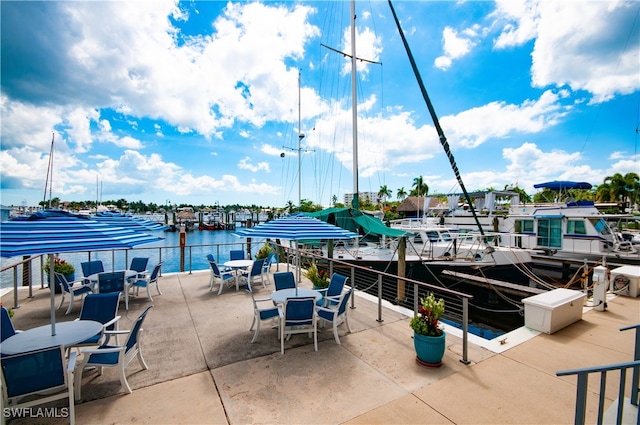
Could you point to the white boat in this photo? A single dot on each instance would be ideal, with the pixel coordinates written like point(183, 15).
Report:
point(561, 229)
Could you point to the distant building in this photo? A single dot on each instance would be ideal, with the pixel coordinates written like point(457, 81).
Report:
point(362, 196)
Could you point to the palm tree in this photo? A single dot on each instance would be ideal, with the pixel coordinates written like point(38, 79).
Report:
point(401, 194)
point(384, 193)
point(420, 187)
point(334, 200)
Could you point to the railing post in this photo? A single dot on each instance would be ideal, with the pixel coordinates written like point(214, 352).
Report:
point(380, 298)
point(15, 287)
point(465, 331)
point(190, 259)
point(581, 398)
point(635, 378)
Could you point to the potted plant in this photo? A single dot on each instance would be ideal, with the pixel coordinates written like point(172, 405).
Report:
point(264, 251)
point(62, 266)
point(428, 336)
point(319, 278)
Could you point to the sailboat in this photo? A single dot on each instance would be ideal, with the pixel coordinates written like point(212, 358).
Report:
point(427, 251)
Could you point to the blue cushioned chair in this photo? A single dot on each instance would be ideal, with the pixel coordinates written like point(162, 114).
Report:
point(73, 291)
point(336, 314)
point(114, 355)
point(266, 267)
point(332, 293)
point(6, 324)
point(263, 309)
point(91, 267)
point(45, 374)
point(255, 273)
point(139, 264)
point(101, 308)
point(298, 315)
point(284, 280)
point(145, 282)
point(221, 276)
point(236, 254)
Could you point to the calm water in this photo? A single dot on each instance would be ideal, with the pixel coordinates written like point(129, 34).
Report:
point(199, 244)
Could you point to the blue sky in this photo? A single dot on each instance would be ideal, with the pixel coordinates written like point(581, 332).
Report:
point(195, 102)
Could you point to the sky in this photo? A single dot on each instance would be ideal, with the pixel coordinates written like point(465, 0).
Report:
point(203, 102)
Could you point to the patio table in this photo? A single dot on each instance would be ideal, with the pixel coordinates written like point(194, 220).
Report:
point(67, 333)
point(238, 265)
point(281, 295)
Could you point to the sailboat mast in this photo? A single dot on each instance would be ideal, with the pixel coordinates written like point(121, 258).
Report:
point(300, 137)
point(355, 203)
point(49, 174)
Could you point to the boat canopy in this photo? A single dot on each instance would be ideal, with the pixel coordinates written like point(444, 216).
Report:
point(562, 185)
point(356, 221)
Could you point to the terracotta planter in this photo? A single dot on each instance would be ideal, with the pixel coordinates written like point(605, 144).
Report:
point(429, 349)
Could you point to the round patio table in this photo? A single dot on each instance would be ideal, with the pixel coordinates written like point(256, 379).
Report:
point(67, 333)
point(238, 265)
point(281, 295)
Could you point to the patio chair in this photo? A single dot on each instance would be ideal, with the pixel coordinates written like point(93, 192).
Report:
point(331, 294)
point(139, 264)
point(255, 273)
point(91, 267)
point(266, 267)
point(101, 308)
point(112, 282)
point(44, 374)
point(6, 329)
point(145, 282)
point(236, 254)
point(261, 313)
point(221, 276)
point(73, 291)
point(298, 315)
point(336, 314)
point(284, 280)
point(118, 356)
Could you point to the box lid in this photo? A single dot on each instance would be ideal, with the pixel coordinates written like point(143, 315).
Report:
point(631, 271)
point(554, 297)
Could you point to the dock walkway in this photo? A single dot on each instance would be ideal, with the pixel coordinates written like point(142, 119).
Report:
point(204, 370)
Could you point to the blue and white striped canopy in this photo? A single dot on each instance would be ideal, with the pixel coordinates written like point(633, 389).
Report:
point(296, 228)
point(48, 234)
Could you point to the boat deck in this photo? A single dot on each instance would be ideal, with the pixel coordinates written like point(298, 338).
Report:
point(204, 370)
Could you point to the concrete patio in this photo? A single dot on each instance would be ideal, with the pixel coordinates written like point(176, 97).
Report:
point(204, 370)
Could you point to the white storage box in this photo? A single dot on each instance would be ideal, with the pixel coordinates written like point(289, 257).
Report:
point(553, 310)
point(625, 280)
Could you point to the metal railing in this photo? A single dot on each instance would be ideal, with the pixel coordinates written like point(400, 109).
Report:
point(583, 378)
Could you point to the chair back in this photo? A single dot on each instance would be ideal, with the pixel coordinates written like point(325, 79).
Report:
point(210, 258)
point(64, 284)
point(111, 282)
point(336, 285)
point(342, 307)
point(132, 339)
point(256, 267)
point(214, 268)
point(299, 311)
point(34, 371)
point(139, 264)
point(92, 267)
point(155, 273)
point(284, 280)
point(100, 307)
point(271, 258)
point(6, 329)
point(236, 254)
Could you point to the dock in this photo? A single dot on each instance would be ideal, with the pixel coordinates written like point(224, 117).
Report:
point(508, 287)
point(203, 368)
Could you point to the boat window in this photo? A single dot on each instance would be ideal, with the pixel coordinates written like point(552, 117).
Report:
point(433, 236)
point(601, 226)
point(524, 226)
point(550, 233)
point(576, 227)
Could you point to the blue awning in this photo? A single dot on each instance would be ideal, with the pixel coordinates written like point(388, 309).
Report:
point(563, 185)
point(296, 228)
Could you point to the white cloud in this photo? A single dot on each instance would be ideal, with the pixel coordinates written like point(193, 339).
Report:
point(245, 164)
point(454, 46)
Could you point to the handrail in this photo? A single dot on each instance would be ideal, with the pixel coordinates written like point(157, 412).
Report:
point(583, 376)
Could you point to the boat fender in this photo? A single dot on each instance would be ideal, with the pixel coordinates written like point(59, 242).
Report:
point(478, 257)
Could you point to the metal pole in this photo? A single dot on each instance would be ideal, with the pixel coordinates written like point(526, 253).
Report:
point(355, 203)
point(465, 331)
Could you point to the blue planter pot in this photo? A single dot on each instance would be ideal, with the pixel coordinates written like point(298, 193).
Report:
point(429, 349)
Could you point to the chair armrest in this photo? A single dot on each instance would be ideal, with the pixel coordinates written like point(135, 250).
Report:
point(113, 349)
point(322, 291)
point(111, 322)
point(118, 332)
point(71, 364)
